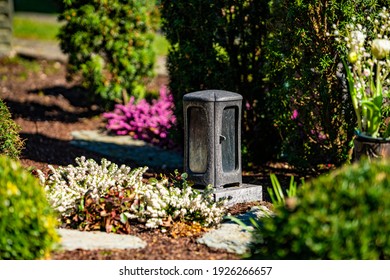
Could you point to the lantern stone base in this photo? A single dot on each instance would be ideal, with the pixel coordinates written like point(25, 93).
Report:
point(239, 194)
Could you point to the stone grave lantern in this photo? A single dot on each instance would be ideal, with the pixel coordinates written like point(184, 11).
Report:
point(212, 144)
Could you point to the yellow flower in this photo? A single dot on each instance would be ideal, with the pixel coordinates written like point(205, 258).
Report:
point(352, 57)
point(12, 189)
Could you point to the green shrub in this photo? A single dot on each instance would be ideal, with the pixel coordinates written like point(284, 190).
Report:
point(10, 142)
point(110, 44)
point(219, 45)
point(307, 99)
point(27, 223)
point(341, 215)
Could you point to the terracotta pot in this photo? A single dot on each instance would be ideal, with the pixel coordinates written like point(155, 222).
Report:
point(365, 146)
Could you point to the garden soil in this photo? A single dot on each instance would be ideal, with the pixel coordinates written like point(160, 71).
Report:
point(48, 108)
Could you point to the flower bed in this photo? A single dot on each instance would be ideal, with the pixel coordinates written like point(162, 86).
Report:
point(108, 197)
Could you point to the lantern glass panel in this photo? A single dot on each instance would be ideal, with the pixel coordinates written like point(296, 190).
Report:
point(229, 139)
point(197, 137)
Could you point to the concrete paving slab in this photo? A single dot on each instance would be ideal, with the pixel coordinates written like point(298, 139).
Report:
point(92, 240)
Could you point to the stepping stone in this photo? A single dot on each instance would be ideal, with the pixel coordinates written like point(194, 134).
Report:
point(91, 240)
point(231, 236)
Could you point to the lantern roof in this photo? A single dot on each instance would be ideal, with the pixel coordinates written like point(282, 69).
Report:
point(212, 96)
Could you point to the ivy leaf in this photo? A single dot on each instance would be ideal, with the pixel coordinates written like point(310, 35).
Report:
point(123, 218)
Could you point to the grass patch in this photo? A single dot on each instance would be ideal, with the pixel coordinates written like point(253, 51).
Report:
point(29, 28)
point(160, 45)
point(46, 30)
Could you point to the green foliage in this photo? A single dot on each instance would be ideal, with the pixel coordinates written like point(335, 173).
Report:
point(307, 98)
point(340, 215)
point(10, 142)
point(277, 54)
point(276, 192)
point(219, 45)
point(385, 126)
point(27, 223)
point(110, 44)
point(278, 199)
point(105, 213)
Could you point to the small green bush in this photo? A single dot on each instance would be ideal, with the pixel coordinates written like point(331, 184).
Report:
point(111, 44)
point(341, 215)
point(27, 223)
point(10, 142)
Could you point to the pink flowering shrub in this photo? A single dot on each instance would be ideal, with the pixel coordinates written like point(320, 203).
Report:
point(144, 120)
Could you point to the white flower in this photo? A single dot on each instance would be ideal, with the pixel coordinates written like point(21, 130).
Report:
point(366, 72)
point(66, 186)
point(380, 48)
point(358, 37)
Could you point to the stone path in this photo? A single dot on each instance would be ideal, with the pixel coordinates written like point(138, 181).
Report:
point(125, 147)
point(229, 236)
point(39, 49)
point(52, 51)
